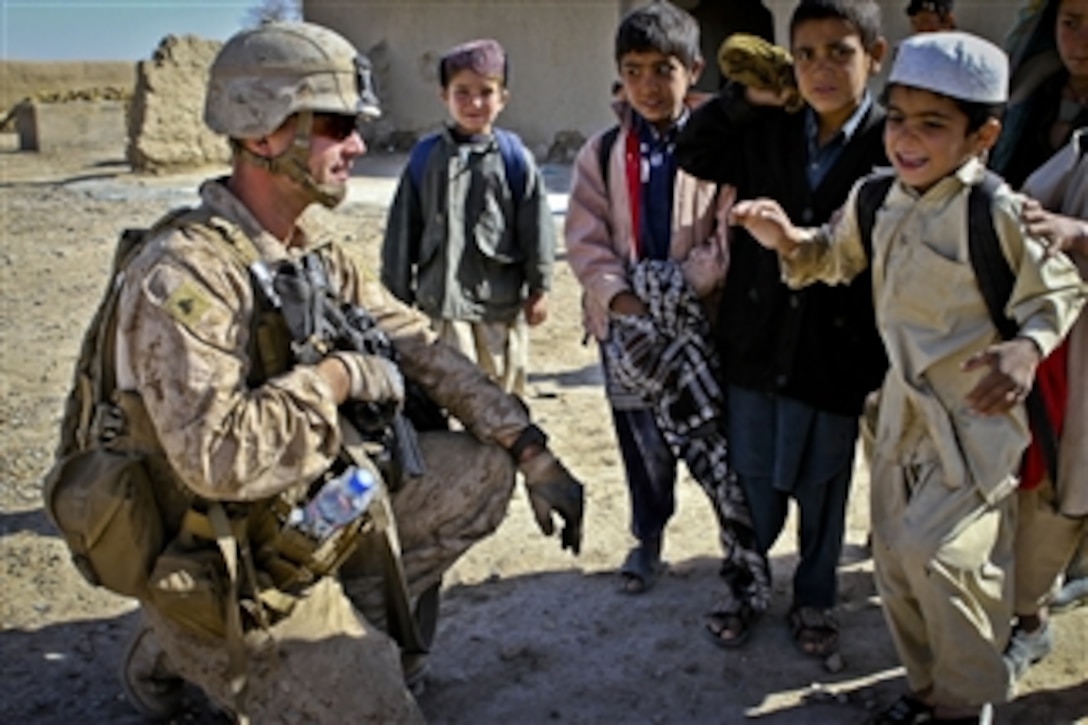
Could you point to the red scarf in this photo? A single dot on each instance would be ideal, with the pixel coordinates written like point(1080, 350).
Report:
point(632, 166)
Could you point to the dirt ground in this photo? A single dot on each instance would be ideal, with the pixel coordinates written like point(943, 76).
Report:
point(528, 633)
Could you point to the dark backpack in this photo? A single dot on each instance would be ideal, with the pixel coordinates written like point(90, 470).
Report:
point(993, 273)
point(511, 149)
point(604, 150)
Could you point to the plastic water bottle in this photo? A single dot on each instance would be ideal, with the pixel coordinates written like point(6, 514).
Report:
point(339, 502)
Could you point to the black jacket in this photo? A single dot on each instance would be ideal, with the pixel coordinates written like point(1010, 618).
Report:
point(818, 345)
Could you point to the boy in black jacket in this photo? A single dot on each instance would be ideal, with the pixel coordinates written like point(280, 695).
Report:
point(798, 363)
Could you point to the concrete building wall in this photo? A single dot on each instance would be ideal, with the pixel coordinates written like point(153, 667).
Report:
point(561, 63)
point(560, 56)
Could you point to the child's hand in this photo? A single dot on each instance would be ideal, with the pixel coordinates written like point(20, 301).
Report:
point(1061, 233)
point(706, 264)
point(536, 308)
point(1011, 372)
point(627, 303)
point(767, 222)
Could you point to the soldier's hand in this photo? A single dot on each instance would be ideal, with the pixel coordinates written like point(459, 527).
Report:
point(553, 490)
point(374, 379)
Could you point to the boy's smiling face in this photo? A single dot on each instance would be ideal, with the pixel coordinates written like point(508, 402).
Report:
point(474, 101)
point(655, 85)
point(832, 67)
point(926, 138)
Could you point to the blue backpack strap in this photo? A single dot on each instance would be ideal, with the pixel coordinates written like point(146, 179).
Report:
point(511, 149)
point(513, 153)
point(417, 159)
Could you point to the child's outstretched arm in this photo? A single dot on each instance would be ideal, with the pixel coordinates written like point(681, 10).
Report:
point(1011, 366)
point(767, 222)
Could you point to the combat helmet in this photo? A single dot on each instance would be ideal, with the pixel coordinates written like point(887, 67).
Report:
point(264, 75)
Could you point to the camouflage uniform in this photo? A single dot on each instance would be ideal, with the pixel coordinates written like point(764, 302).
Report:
point(183, 345)
point(232, 432)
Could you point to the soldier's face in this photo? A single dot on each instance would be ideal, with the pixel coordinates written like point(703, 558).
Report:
point(334, 145)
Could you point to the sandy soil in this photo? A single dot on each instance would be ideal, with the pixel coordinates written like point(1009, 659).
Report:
point(528, 633)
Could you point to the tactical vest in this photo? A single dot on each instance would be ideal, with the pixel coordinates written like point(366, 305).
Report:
point(131, 524)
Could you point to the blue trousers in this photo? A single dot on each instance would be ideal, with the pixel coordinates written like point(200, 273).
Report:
point(781, 449)
point(651, 472)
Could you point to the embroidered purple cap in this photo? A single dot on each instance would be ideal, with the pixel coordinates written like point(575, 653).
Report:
point(484, 56)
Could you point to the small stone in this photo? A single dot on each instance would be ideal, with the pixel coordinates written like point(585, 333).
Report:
point(835, 663)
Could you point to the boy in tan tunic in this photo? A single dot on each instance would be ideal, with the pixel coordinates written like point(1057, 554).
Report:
point(952, 428)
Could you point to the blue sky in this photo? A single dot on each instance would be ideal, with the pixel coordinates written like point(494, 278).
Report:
point(110, 29)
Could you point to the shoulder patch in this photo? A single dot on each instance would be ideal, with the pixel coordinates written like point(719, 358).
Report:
point(186, 304)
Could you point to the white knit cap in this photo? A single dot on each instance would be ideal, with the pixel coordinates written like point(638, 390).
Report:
point(955, 64)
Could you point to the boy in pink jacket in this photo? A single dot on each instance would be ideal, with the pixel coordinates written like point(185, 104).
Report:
point(629, 202)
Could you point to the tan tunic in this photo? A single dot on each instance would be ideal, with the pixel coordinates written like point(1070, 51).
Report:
point(943, 521)
point(932, 317)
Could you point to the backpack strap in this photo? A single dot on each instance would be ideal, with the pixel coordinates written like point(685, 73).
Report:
point(870, 196)
point(511, 149)
point(995, 276)
point(604, 152)
point(996, 279)
point(513, 153)
point(417, 159)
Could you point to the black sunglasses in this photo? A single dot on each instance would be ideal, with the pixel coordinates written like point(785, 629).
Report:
point(336, 126)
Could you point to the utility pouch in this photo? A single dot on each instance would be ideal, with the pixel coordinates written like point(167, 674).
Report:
point(190, 586)
point(103, 503)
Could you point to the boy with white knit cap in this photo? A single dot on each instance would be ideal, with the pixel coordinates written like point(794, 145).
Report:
point(952, 426)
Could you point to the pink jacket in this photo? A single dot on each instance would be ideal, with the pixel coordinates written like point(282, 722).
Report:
point(598, 231)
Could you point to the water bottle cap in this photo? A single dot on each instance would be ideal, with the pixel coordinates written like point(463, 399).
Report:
point(359, 481)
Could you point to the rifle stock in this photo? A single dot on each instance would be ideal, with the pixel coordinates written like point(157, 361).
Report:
point(319, 323)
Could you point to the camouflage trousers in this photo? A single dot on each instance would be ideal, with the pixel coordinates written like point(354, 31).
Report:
point(327, 661)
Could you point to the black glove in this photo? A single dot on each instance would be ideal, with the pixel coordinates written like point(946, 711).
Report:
point(552, 489)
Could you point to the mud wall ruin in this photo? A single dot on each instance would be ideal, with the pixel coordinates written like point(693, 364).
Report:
point(166, 128)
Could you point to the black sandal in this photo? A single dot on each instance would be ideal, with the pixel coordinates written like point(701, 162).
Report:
point(814, 631)
point(736, 624)
point(641, 568)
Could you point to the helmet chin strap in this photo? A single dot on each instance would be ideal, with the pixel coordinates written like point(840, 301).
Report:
point(294, 164)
